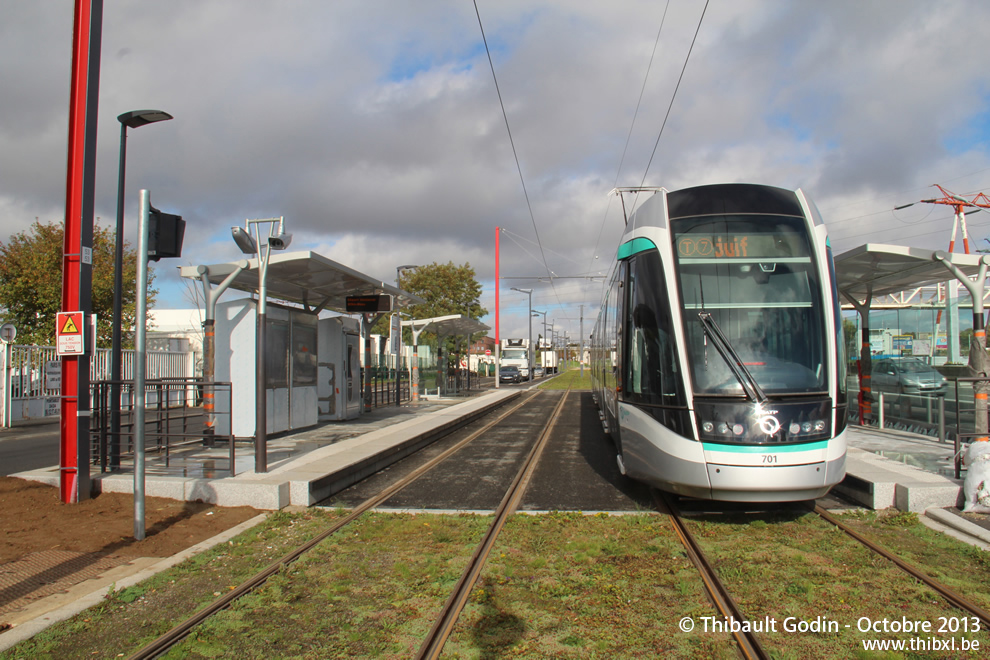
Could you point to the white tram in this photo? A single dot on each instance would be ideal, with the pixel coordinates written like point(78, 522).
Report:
point(717, 357)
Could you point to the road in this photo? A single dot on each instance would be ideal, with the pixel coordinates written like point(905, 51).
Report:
point(28, 447)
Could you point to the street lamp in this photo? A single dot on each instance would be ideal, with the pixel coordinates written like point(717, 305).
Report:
point(277, 240)
point(398, 352)
point(542, 353)
point(132, 119)
point(529, 353)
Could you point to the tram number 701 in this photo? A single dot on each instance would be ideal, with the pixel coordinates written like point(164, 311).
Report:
point(769, 459)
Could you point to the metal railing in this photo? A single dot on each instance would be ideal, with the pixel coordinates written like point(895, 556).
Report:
point(174, 419)
point(29, 393)
point(961, 435)
point(949, 416)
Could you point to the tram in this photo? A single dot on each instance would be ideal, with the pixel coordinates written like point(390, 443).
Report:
point(717, 355)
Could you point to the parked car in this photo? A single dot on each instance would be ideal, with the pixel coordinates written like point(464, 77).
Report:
point(509, 374)
point(907, 376)
point(537, 372)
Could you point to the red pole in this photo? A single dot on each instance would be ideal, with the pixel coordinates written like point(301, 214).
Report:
point(76, 271)
point(496, 287)
point(498, 343)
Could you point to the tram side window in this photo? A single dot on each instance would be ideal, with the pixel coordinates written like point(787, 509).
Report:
point(651, 368)
point(610, 344)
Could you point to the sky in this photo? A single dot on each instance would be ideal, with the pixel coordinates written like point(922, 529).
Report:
point(375, 128)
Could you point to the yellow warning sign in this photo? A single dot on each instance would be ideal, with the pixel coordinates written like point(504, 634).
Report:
point(70, 333)
point(69, 328)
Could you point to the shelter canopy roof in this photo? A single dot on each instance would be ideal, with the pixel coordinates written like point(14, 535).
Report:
point(305, 278)
point(453, 324)
point(874, 269)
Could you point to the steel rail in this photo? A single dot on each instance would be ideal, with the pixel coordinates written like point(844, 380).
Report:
point(176, 634)
point(749, 644)
point(444, 624)
point(954, 598)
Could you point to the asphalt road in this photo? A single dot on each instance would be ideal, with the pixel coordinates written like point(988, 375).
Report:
point(28, 447)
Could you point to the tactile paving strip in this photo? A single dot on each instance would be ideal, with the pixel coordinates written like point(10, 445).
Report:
point(42, 574)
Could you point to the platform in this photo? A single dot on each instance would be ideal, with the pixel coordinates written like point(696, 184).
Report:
point(304, 467)
point(906, 471)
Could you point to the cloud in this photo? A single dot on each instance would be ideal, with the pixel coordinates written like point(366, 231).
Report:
point(376, 129)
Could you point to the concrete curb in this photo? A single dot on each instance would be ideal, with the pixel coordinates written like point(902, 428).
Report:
point(959, 524)
point(31, 627)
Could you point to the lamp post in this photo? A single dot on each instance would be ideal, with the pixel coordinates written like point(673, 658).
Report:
point(277, 240)
point(542, 361)
point(529, 353)
point(398, 352)
point(132, 119)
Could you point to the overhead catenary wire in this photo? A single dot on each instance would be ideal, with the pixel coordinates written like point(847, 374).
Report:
point(673, 96)
point(632, 124)
point(512, 143)
point(508, 129)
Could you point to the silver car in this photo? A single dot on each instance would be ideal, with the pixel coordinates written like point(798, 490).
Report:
point(907, 376)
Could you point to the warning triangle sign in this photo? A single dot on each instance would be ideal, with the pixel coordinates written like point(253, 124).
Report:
point(69, 328)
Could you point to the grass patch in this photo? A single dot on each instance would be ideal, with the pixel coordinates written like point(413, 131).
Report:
point(605, 587)
point(560, 585)
point(569, 379)
point(127, 619)
point(372, 590)
point(797, 565)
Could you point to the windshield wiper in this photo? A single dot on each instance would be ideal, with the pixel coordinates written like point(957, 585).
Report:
point(743, 375)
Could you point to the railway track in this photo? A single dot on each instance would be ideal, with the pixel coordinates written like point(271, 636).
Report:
point(956, 600)
point(748, 642)
point(444, 624)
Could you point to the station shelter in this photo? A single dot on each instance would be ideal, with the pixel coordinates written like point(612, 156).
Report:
point(462, 328)
point(873, 271)
point(312, 364)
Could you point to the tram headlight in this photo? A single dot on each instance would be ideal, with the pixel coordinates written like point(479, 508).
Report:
point(806, 427)
point(707, 427)
point(738, 429)
point(819, 425)
point(794, 428)
point(723, 428)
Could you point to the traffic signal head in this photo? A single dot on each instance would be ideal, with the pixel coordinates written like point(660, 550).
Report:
point(165, 232)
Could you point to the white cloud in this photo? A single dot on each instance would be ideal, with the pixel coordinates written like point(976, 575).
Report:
point(375, 128)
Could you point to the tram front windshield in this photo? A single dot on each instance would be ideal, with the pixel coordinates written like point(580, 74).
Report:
point(757, 278)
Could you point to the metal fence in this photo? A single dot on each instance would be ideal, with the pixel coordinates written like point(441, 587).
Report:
point(948, 416)
point(174, 419)
point(31, 389)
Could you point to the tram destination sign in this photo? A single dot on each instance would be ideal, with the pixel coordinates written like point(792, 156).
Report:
point(734, 246)
point(369, 304)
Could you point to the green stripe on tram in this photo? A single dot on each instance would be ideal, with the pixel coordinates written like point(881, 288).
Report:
point(764, 449)
point(635, 246)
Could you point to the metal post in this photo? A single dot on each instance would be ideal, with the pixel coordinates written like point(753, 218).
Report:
point(529, 352)
point(941, 418)
point(581, 349)
point(261, 389)
point(366, 330)
point(144, 208)
point(880, 413)
point(209, 346)
point(118, 313)
point(498, 339)
point(5, 374)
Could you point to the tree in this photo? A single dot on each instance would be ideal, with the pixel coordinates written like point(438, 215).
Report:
point(446, 288)
point(31, 283)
